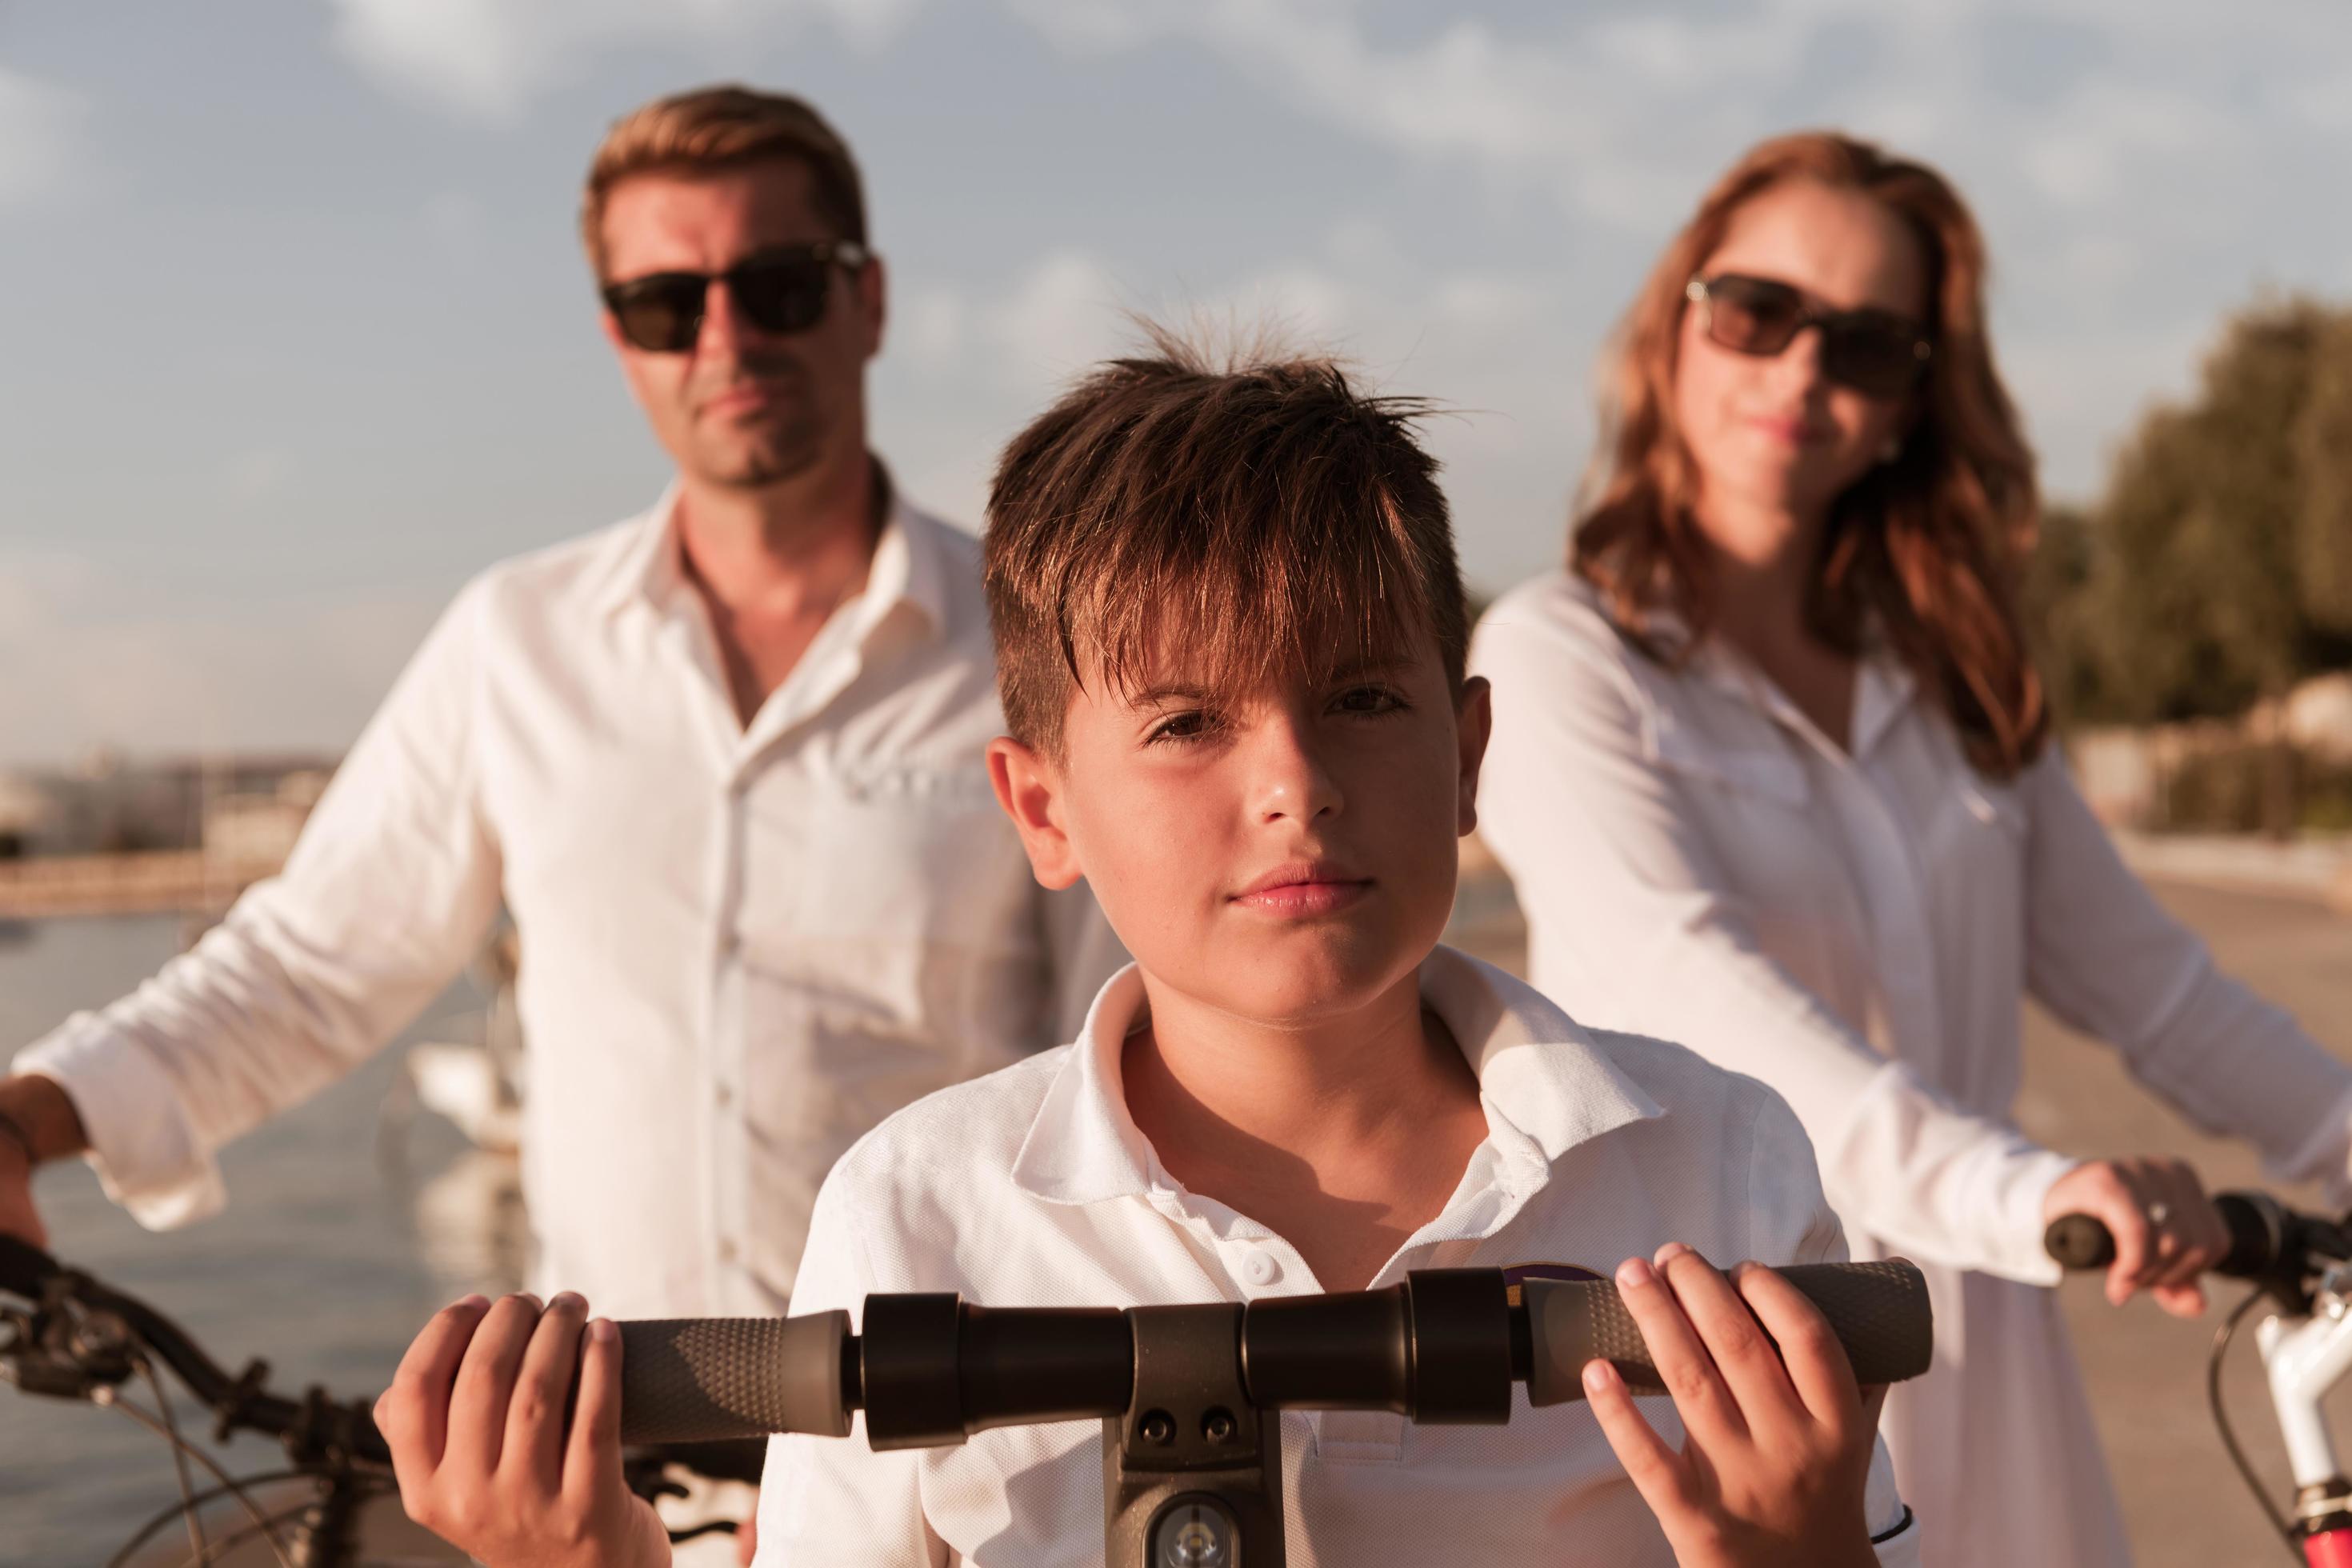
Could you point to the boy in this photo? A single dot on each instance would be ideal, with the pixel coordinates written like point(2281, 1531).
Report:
point(1230, 635)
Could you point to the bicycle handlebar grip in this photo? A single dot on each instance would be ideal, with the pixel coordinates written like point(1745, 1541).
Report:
point(2079, 1241)
point(2265, 1238)
point(698, 1379)
point(1879, 1313)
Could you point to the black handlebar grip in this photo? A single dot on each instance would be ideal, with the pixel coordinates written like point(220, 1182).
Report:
point(698, 1379)
point(2079, 1241)
point(2265, 1238)
point(1879, 1313)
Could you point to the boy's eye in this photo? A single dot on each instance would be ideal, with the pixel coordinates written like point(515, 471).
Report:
point(1188, 725)
point(1367, 700)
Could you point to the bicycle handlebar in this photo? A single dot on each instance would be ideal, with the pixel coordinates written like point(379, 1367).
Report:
point(2267, 1239)
point(1445, 1345)
point(313, 1423)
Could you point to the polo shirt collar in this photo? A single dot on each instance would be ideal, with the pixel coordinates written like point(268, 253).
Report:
point(1545, 1085)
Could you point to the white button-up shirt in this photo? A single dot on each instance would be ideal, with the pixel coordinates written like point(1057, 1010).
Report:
point(741, 946)
point(1858, 927)
point(1034, 1187)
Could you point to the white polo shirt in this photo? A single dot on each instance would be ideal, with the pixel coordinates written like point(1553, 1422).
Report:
point(1033, 1186)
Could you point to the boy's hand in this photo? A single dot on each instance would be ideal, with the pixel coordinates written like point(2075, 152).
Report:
point(1776, 1453)
point(476, 1421)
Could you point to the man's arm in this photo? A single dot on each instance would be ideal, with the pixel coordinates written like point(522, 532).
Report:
point(388, 892)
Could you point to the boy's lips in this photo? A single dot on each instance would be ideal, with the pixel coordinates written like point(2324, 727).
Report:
point(1304, 888)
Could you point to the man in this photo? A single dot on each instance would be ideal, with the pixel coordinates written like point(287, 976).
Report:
point(723, 762)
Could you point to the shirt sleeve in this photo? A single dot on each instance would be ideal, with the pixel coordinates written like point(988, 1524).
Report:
point(1612, 865)
point(1790, 1221)
point(2102, 955)
point(390, 890)
point(833, 1502)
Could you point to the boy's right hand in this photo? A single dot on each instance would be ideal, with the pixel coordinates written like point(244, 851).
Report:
point(488, 1458)
point(1778, 1443)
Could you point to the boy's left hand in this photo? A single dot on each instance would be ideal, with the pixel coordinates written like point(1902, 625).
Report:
point(1777, 1442)
point(475, 1419)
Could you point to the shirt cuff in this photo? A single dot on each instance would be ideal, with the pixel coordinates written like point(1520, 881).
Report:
point(147, 1155)
point(1897, 1543)
point(2325, 1156)
point(2027, 1192)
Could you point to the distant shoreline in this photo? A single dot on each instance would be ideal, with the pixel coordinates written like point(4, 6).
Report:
point(156, 882)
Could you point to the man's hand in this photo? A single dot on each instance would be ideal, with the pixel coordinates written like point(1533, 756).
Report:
point(2167, 1231)
point(42, 1124)
point(18, 1218)
point(1778, 1444)
point(475, 1420)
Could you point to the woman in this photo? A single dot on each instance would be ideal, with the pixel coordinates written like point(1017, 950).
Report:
point(1772, 773)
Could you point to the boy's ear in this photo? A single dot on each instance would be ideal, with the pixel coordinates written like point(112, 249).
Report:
point(1474, 721)
point(1029, 788)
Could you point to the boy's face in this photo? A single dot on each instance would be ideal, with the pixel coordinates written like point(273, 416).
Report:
point(1285, 854)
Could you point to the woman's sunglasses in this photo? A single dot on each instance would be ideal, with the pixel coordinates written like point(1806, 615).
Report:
point(781, 290)
point(1877, 353)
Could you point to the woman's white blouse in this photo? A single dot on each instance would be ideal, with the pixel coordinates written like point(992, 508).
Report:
point(1858, 927)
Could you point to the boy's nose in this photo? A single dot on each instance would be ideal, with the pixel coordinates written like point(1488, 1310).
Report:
point(1293, 783)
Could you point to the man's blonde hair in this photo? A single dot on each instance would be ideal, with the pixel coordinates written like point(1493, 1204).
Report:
point(726, 127)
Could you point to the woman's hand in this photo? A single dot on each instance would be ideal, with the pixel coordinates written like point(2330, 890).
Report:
point(2167, 1231)
point(475, 1419)
point(1778, 1444)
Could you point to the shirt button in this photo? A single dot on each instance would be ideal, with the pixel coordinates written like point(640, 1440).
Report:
point(1260, 1268)
point(727, 942)
point(725, 1095)
point(727, 1250)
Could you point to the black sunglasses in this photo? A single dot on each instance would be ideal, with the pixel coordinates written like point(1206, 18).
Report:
point(781, 290)
point(1877, 353)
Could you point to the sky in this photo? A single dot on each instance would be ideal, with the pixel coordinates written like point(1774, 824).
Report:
point(298, 335)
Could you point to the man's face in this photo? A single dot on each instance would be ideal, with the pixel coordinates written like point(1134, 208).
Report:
point(742, 406)
point(1284, 855)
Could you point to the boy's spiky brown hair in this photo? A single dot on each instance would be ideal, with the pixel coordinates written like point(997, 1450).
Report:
point(1231, 517)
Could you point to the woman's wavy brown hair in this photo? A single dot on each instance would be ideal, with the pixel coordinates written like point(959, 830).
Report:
point(1926, 547)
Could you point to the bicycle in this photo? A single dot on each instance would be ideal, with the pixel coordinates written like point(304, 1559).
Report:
point(333, 1505)
point(1191, 1396)
point(2302, 1264)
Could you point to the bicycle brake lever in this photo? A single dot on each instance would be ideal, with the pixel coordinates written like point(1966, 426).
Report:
point(30, 1359)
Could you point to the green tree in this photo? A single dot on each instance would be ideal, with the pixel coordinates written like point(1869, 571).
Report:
point(2215, 570)
point(2216, 567)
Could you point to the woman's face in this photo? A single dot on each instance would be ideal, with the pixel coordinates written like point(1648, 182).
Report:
point(1773, 438)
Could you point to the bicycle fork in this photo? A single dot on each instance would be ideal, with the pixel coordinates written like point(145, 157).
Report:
point(2303, 1357)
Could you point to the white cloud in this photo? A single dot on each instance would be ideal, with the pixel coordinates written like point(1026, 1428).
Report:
point(488, 58)
point(41, 139)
